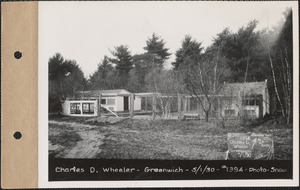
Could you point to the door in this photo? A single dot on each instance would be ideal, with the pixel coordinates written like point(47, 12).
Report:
point(126, 102)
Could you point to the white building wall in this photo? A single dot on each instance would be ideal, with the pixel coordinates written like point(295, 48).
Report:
point(118, 106)
point(111, 107)
point(137, 103)
point(237, 110)
point(255, 108)
point(66, 108)
point(67, 111)
point(119, 103)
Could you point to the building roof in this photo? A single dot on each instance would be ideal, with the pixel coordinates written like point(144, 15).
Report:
point(235, 89)
point(115, 91)
point(96, 93)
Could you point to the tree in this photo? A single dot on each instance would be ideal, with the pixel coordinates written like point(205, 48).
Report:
point(135, 83)
point(203, 79)
point(225, 42)
point(123, 60)
point(202, 73)
point(245, 51)
point(65, 78)
point(56, 66)
point(249, 42)
point(280, 54)
point(104, 77)
point(74, 80)
point(166, 85)
point(156, 47)
point(190, 51)
point(143, 64)
point(56, 75)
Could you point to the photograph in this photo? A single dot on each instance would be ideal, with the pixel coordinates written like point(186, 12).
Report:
point(168, 82)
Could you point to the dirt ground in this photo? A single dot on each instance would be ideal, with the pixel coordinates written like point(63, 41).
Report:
point(86, 146)
point(148, 139)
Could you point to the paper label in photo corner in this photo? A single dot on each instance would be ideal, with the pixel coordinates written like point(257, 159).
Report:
point(242, 146)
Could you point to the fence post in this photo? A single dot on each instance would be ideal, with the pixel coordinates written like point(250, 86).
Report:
point(99, 105)
point(146, 104)
point(185, 104)
point(131, 105)
point(179, 107)
point(153, 106)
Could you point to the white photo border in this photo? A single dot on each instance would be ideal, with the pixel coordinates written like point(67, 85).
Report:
point(43, 127)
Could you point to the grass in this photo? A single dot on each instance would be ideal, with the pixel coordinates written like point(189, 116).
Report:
point(62, 137)
point(168, 139)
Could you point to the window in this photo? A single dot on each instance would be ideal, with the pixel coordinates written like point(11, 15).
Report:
point(193, 104)
point(75, 108)
point(250, 113)
point(250, 101)
point(88, 108)
point(108, 101)
point(229, 113)
point(111, 101)
point(103, 101)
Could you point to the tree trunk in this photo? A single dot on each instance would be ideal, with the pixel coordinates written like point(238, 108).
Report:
point(162, 106)
point(206, 116)
point(215, 78)
point(289, 87)
point(248, 59)
point(275, 85)
point(153, 107)
point(215, 71)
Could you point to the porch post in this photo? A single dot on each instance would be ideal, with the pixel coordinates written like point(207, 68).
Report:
point(179, 107)
point(99, 105)
point(81, 109)
point(131, 105)
point(188, 102)
point(146, 104)
point(185, 104)
point(153, 106)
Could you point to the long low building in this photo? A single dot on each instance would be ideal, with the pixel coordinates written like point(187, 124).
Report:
point(85, 103)
point(234, 100)
point(250, 99)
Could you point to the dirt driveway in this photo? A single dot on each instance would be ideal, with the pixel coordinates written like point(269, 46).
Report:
point(88, 140)
point(153, 139)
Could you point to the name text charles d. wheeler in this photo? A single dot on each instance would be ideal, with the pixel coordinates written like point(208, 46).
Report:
point(131, 170)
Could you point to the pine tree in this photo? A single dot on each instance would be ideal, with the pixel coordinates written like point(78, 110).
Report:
point(156, 47)
point(65, 78)
point(122, 59)
point(105, 76)
point(190, 51)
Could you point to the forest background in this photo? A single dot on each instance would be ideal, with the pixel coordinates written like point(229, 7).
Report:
point(248, 55)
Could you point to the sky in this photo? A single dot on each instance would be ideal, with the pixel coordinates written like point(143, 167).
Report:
point(86, 31)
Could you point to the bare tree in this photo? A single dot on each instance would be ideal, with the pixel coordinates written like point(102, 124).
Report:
point(280, 56)
point(166, 85)
point(203, 80)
